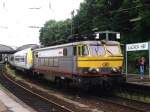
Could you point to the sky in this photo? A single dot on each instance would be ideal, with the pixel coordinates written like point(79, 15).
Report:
point(16, 17)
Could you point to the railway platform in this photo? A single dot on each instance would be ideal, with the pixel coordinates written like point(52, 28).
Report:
point(10, 103)
point(135, 79)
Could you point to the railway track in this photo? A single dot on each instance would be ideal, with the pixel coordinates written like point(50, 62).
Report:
point(135, 92)
point(135, 107)
point(33, 99)
point(115, 106)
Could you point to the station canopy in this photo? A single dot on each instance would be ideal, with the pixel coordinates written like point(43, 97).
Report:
point(6, 49)
point(33, 46)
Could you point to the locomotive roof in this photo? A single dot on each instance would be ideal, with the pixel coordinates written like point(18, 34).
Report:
point(78, 43)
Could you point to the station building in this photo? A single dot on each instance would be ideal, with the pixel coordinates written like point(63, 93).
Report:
point(5, 51)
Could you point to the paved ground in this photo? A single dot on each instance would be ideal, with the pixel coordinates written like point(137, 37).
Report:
point(2, 107)
point(134, 78)
point(9, 103)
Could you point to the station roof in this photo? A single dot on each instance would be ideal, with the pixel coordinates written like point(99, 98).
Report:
point(33, 46)
point(4, 49)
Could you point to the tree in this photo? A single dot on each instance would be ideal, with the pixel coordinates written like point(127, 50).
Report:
point(54, 31)
point(130, 17)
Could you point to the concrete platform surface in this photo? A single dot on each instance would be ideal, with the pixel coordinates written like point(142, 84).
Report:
point(10, 103)
point(135, 79)
point(2, 107)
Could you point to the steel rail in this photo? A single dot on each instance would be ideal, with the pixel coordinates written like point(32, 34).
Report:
point(48, 100)
point(122, 105)
point(107, 100)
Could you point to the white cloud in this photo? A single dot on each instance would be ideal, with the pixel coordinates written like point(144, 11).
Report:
point(17, 15)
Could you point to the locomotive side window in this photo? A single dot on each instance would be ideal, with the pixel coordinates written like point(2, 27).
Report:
point(79, 50)
point(74, 51)
point(83, 50)
point(65, 52)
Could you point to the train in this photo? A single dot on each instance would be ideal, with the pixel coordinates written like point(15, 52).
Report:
point(83, 63)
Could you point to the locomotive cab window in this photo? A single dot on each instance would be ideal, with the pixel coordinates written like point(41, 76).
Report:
point(83, 50)
point(97, 50)
point(74, 51)
point(65, 52)
point(113, 49)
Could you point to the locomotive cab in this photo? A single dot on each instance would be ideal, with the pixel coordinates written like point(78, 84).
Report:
point(99, 59)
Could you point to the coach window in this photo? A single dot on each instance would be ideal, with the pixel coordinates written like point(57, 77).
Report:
point(16, 59)
point(21, 59)
point(65, 52)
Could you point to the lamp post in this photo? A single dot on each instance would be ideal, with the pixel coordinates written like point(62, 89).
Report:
point(72, 16)
point(73, 13)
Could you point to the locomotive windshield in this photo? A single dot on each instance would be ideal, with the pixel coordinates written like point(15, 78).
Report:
point(91, 50)
point(97, 50)
point(113, 50)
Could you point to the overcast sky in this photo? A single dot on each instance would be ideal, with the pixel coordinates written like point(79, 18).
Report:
point(18, 15)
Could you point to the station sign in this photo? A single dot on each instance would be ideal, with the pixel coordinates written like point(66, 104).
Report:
point(137, 46)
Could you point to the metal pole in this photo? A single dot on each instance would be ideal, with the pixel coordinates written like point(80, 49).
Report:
point(149, 58)
point(126, 61)
point(107, 35)
point(72, 22)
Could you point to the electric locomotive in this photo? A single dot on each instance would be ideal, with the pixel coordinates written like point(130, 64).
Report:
point(84, 62)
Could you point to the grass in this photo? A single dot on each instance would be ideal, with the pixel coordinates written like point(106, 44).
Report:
point(12, 73)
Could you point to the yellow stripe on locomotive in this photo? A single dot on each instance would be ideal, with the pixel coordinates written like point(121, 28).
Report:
point(114, 62)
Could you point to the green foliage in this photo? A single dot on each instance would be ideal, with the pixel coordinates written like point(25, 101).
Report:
point(133, 58)
point(53, 31)
point(130, 17)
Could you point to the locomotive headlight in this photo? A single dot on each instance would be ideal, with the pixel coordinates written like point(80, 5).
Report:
point(93, 70)
point(97, 69)
point(114, 69)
